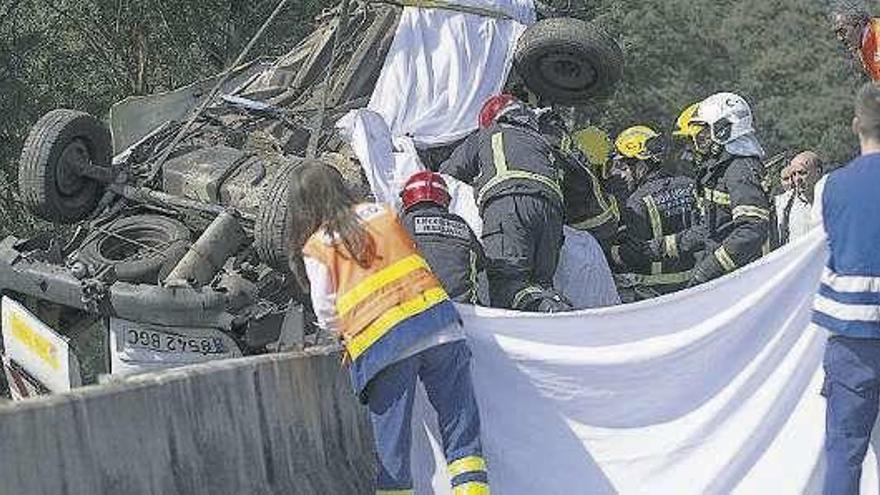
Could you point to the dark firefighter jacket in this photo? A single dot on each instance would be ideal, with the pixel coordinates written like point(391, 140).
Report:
point(450, 247)
point(735, 218)
point(663, 205)
point(507, 159)
point(587, 204)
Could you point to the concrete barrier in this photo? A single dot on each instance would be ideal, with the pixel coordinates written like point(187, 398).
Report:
point(265, 425)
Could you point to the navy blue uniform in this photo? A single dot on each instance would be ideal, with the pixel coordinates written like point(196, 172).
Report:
point(848, 306)
point(663, 205)
point(451, 248)
point(517, 179)
point(734, 221)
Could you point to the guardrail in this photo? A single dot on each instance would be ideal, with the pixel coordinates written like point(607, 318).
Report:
point(283, 423)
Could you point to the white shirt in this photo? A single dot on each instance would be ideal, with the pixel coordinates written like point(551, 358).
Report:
point(816, 219)
point(799, 216)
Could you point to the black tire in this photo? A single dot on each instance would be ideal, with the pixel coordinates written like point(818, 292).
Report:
point(138, 247)
point(48, 187)
point(567, 61)
point(272, 228)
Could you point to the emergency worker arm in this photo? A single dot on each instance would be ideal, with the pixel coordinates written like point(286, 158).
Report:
point(479, 253)
point(630, 251)
point(464, 162)
point(751, 220)
point(686, 242)
point(323, 294)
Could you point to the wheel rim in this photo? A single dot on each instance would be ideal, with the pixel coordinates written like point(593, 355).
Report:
point(74, 156)
point(568, 71)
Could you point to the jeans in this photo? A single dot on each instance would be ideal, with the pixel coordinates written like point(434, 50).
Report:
point(852, 389)
point(445, 372)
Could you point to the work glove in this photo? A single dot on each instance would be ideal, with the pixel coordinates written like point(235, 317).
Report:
point(656, 249)
point(693, 239)
point(556, 303)
point(707, 269)
point(634, 252)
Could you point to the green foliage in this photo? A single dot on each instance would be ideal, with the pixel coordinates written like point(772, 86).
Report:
point(88, 54)
point(781, 56)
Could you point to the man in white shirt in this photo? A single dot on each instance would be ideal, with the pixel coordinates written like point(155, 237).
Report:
point(794, 206)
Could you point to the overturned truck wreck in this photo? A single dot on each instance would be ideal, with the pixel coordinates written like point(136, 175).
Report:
point(172, 220)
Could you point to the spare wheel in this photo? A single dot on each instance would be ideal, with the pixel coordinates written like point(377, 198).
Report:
point(567, 61)
point(138, 247)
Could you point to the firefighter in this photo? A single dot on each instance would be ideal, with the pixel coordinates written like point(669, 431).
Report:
point(735, 217)
point(370, 285)
point(444, 239)
point(517, 184)
point(589, 206)
point(684, 133)
point(659, 205)
point(860, 34)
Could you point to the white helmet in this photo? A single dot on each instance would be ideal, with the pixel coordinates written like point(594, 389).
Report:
point(727, 115)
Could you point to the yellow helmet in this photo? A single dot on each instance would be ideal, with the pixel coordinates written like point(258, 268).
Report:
point(684, 125)
point(640, 143)
point(596, 146)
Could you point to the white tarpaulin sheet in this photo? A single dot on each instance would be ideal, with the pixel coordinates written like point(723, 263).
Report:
point(713, 390)
point(441, 67)
point(434, 95)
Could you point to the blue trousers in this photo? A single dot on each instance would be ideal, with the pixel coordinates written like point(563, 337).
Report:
point(445, 372)
point(852, 390)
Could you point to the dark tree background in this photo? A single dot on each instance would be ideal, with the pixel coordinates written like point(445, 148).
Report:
point(88, 54)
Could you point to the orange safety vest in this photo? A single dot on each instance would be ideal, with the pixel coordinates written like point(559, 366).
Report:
point(372, 301)
point(870, 52)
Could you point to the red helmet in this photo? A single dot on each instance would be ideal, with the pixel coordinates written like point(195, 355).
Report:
point(425, 187)
point(494, 107)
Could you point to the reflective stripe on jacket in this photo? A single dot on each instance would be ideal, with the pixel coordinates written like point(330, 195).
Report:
point(450, 247)
point(387, 307)
point(507, 159)
point(660, 208)
point(735, 220)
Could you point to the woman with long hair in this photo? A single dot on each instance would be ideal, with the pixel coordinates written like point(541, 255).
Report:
point(371, 287)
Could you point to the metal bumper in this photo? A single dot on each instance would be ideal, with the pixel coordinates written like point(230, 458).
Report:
point(182, 307)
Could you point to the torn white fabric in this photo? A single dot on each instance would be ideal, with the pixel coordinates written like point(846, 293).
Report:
point(387, 162)
point(440, 69)
point(714, 390)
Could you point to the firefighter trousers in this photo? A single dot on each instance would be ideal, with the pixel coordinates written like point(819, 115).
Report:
point(522, 236)
point(446, 375)
point(852, 390)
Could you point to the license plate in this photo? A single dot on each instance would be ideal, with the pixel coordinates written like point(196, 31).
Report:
point(138, 347)
point(173, 343)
